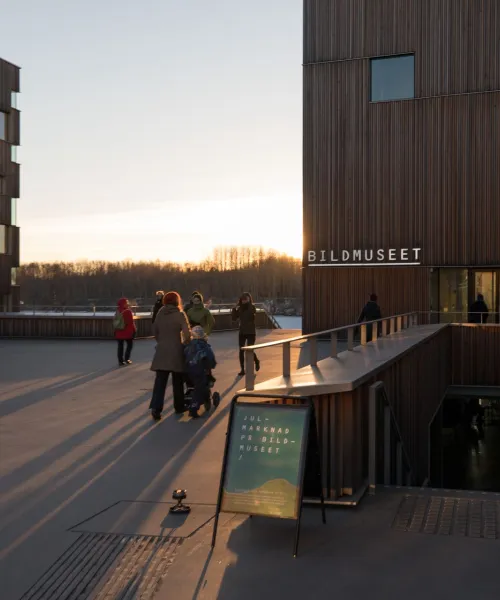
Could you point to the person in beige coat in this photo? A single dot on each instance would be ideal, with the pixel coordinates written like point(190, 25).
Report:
point(171, 331)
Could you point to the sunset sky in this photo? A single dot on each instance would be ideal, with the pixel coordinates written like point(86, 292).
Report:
point(157, 129)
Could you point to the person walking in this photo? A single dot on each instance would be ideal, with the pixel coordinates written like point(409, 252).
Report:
point(158, 304)
point(244, 312)
point(125, 330)
point(478, 312)
point(171, 331)
point(371, 312)
point(199, 315)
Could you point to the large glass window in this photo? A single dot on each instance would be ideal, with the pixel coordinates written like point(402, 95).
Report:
point(453, 293)
point(13, 154)
point(14, 100)
point(3, 239)
point(13, 276)
point(3, 125)
point(392, 78)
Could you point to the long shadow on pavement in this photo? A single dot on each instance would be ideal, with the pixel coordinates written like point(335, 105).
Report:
point(22, 401)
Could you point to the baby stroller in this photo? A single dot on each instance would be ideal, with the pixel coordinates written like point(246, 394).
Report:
point(210, 399)
point(200, 360)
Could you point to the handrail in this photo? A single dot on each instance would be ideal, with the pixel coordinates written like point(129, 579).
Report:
point(389, 325)
point(376, 390)
point(86, 309)
point(308, 336)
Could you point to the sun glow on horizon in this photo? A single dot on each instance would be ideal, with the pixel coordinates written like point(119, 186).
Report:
point(182, 233)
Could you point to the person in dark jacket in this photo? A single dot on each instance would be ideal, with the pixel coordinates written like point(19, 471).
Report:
point(371, 312)
point(158, 303)
point(244, 312)
point(125, 331)
point(478, 312)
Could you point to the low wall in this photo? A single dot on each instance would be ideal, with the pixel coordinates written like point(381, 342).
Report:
point(93, 327)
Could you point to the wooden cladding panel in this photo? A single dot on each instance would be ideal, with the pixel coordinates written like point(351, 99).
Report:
point(419, 173)
point(456, 42)
point(415, 386)
point(4, 158)
point(5, 278)
point(5, 210)
point(335, 296)
point(60, 326)
point(9, 82)
point(15, 246)
point(476, 355)
point(13, 127)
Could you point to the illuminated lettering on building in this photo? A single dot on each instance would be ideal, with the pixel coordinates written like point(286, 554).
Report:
point(364, 258)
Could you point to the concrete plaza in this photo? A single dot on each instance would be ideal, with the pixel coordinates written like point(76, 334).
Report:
point(85, 472)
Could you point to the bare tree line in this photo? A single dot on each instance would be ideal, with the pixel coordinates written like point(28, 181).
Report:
point(221, 278)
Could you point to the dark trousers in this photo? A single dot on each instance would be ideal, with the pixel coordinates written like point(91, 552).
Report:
point(246, 340)
point(128, 351)
point(160, 386)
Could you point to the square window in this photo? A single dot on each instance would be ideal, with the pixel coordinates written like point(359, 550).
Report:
point(392, 78)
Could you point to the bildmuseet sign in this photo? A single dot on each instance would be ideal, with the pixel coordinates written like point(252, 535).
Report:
point(364, 258)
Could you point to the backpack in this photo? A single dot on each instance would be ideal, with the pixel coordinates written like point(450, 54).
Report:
point(118, 321)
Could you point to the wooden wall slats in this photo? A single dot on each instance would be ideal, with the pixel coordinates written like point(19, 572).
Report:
point(416, 173)
point(335, 296)
point(456, 42)
point(415, 384)
point(476, 355)
point(420, 173)
point(29, 326)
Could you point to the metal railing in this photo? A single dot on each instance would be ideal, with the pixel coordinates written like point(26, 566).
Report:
point(44, 309)
point(459, 317)
point(389, 464)
point(379, 328)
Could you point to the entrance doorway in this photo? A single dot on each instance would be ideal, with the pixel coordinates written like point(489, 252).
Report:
point(487, 284)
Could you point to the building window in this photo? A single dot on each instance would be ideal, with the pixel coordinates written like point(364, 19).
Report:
point(453, 292)
point(3, 125)
point(13, 211)
point(13, 154)
point(13, 276)
point(14, 100)
point(3, 239)
point(392, 78)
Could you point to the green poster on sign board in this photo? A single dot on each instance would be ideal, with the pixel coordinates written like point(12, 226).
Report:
point(265, 458)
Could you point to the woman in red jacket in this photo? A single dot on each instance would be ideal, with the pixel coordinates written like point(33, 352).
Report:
point(124, 331)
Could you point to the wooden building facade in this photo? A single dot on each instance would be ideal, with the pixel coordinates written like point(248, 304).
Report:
point(401, 157)
point(9, 186)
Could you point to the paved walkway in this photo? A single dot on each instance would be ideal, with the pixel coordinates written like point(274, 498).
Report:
point(86, 478)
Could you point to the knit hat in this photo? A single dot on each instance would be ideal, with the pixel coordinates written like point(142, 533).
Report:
point(172, 298)
point(198, 333)
point(197, 295)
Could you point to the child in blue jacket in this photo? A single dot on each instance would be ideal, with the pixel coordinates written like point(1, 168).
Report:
point(200, 360)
